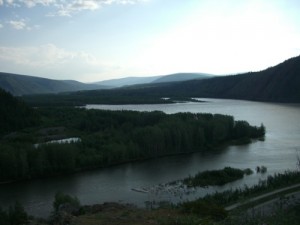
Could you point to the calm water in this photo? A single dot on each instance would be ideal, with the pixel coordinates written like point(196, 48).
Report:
point(278, 153)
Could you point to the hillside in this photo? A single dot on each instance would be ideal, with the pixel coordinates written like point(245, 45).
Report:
point(25, 85)
point(275, 84)
point(14, 114)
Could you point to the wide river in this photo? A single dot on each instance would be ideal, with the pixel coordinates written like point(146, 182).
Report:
point(278, 153)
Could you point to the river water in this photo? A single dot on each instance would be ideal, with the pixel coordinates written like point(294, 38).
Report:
point(278, 153)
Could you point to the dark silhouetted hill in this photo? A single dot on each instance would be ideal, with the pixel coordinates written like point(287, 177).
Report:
point(280, 83)
point(14, 114)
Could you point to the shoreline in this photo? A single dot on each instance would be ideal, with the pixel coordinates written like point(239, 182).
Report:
point(220, 147)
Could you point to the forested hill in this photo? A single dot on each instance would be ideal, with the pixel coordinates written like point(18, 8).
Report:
point(25, 85)
point(14, 114)
point(276, 84)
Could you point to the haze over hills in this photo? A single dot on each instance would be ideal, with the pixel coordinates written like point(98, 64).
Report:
point(128, 81)
point(27, 85)
point(182, 77)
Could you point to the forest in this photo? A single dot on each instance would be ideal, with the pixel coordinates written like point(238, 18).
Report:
point(107, 138)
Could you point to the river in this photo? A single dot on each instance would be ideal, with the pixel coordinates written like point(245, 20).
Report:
point(278, 153)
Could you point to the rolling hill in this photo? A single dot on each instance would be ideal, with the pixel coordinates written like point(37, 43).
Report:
point(26, 85)
point(276, 84)
point(279, 83)
point(126, 81)
point(129, 81)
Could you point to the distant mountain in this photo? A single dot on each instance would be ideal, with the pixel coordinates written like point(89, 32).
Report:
point(280, 83)
point(182, 77)
point(276, 84)
point(26, 85)
point(128, 81)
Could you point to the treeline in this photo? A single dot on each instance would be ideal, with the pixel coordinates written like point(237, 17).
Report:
point(110, 97)
point(216, 177)
point(14, 114)
point(112, 137)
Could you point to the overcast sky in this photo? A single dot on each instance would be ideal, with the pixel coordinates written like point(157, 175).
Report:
point(93, 40)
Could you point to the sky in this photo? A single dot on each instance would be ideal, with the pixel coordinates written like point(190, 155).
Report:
point(94, 40)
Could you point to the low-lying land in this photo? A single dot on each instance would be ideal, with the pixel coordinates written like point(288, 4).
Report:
point(105, 138)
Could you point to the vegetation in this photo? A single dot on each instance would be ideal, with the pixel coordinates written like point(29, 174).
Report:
point(14, 114)
point(15, 215)
point(281, 216)
point(215, 177)
point(271, 183)
point(112, 137)
point(62, 199)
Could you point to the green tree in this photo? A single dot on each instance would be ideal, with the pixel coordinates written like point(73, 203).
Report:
point(62, 199)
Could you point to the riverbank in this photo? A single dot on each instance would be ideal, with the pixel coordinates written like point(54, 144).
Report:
point(191, 213)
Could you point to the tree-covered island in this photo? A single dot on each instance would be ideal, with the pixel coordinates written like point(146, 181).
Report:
point(105, 138)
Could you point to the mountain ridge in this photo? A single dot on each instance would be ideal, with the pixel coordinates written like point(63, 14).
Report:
point(18, 85)
point(176, 77)
point(279, 83)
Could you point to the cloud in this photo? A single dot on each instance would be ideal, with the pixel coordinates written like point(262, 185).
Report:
point(11, 3)
point(33, 3)
point(68, 7)
point(39, 56)
point(18, 24)
point(53, 62)
point(21, 24)
point(80, 5)
point(75, 6)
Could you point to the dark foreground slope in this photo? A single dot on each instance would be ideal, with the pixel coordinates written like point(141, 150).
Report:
point(25, 85)
point(14, 114)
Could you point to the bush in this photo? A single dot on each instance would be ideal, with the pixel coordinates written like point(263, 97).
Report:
point(64, 199)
